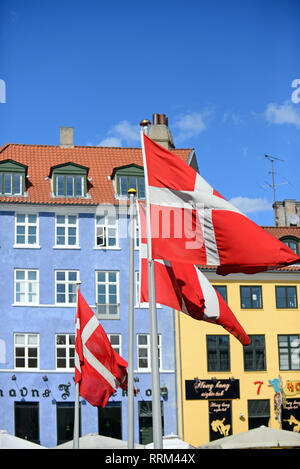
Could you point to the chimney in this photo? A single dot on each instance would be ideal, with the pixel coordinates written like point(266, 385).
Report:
point(66, 137)
point(160, 132)
point(287, 213)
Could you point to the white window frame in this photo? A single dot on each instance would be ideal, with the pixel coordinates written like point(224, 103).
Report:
point(136, 235)
point(67, 347)
point(27, 282)
point(147, 357)
point(26, 347)
point(116, 347)
point(107, 283)
point(66, 282)
point(26, 224)
point(66, 225)
point(106, 226)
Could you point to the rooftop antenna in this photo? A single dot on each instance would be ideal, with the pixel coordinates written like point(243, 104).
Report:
point(273, 185)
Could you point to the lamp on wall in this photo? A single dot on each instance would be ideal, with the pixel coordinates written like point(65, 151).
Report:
point(45, 378)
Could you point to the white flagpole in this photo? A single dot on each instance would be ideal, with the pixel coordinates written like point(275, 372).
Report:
point(130, 421)
point(76, 408)
point(156, 408)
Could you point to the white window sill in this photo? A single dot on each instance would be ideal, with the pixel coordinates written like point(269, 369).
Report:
point(66, 247)
point(26, 246)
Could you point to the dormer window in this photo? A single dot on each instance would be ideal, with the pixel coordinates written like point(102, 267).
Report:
point(292, 242)
point(69, 180)
point(129, 177)
point(12, 178)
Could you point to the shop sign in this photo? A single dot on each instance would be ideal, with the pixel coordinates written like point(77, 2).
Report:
point(292, 387)
point(220, 419)
point(212, 389)
point(291, 415)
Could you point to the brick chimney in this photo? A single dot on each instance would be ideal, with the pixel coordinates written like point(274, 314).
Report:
point(66, 137)
point(160, 132)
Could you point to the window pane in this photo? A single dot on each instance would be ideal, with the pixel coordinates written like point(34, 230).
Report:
point(20, 339)
point(60, 185)
point(142, 340)
point(70, 186)
point(132, 183)
point(20, 218)
point(142, 188)
point(7, 184)
point(123, 185)
point(79, 186)
point(20, 275)
point(61, 339)
point(17, 184)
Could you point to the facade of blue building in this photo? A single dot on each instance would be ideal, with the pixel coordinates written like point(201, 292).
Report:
point(60, 224)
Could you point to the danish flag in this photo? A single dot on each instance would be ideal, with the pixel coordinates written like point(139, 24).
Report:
point(191, 222)
point(99, 369)
point(183, 287)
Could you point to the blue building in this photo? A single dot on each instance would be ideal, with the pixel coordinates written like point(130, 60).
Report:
point(63, 220)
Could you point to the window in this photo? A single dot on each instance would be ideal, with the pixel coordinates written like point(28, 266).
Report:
point(289, 352)
point(26, 230)
point(69, 180)
point(65, 287)
point(116, 342)
point(26, 351)
point(12, 178)
point(255, 354)
point(218, 357)
point(26, 286)
point(251, 297)
point(143, 352)
point(65, 351)
point(66, 231)
point(138, 304)
point(292, 242)
point(222, 290)
point(258, 413)
point(106, 231)
point(129, 177)
point(107, 294)
point(286, 297)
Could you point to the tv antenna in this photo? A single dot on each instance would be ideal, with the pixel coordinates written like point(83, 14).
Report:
point(273, 186)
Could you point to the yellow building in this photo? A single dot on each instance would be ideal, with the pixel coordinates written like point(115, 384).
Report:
point(225, 388)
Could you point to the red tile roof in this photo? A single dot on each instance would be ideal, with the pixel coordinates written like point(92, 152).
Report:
point(99, 160)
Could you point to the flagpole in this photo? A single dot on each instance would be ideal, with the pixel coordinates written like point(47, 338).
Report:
point(156, 408)
point(130, 420)
point(76, 408)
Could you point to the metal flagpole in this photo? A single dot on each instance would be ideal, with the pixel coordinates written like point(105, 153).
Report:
point(130, 421)
point(76, 408)
point(156, 408)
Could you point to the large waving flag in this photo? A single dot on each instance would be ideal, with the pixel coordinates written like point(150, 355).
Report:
point(192, 223)
point(99, 369)
point(183, 287)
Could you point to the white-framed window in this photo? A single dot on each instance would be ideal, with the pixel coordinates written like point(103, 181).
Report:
point(65, 287)
point(138, 304)
point(11, 183)
point(65, 351)
point(26, 283)
point(116, 342)
point(69, 185)
point(144, 352)
point(66, 231)
point(26, 350)
point(106, 232)
point(107, 294)
point(26, 230)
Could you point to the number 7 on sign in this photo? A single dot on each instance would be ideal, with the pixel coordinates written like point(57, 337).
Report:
point(259, 386)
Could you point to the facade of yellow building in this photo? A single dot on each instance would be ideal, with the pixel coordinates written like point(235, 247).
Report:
point(225, 388)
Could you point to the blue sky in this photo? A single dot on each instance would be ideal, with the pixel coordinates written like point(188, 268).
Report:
point(222, 71)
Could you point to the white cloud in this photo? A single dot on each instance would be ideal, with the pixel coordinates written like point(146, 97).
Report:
point(110, 142)
point(191, 124)
point(122, 133)
point(248, 205)
point(282, 114)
